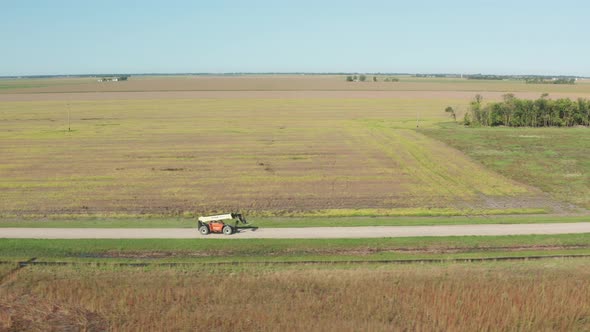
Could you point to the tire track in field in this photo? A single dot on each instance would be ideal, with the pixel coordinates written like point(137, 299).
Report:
point(457, 170)
point(427, 166)
point(398, 149)
point(422, 170)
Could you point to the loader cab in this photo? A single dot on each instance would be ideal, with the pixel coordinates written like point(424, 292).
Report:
point(216, 226)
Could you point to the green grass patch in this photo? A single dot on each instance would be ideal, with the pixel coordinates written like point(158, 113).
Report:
point(289, 222)
point(554, 160)
point(286, 249)
point(16, 220)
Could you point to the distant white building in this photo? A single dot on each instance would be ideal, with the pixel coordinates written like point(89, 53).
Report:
point(108, 79)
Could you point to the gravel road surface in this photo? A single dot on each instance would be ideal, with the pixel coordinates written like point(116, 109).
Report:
point(295, 233)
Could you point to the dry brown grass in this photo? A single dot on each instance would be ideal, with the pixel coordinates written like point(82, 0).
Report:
point(553, 295)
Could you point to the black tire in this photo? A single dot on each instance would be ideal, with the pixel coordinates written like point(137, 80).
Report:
point(228, 230)
point(204, 230)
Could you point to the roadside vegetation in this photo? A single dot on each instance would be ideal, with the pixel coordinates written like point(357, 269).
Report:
point(132, 221)
point(261, 250)
point(6, 267)
point(536, 296)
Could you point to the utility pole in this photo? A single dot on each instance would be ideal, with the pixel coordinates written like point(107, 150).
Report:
point(418, 119)
point(69, 127)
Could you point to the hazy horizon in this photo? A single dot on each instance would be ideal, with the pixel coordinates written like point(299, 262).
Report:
point(276, 73)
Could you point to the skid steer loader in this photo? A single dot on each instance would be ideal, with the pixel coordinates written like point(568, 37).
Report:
point(220, 223)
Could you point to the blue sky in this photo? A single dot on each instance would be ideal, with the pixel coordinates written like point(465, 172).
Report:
point(460, 36)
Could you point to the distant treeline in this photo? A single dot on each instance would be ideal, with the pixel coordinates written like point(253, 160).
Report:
point(363, 78)
point(515, 112)
point(533, 79)
point(486, 77)
point(437, 75)
point(541, 80)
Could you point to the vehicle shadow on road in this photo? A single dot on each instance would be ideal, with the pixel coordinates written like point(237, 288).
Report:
point(251, 228)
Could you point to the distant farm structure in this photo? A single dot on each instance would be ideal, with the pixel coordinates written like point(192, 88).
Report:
point(363, 78)
point(113, 79)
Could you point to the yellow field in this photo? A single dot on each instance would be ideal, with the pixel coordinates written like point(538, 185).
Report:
point(260, 155)
point(269, 145)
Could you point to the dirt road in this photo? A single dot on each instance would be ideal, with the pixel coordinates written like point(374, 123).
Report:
point(296, 233)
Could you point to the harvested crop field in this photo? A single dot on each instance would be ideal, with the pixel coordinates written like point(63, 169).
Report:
point(252, 83)
point(162, 156)
point(274, 150)
point(455, 96)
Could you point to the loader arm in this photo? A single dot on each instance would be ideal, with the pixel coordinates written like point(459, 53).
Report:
point(239, 217)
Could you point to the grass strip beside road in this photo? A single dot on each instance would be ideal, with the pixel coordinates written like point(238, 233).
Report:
point(266, 250)
point(289, 222)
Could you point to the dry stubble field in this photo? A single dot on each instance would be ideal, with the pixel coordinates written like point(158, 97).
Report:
point(277, 150)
